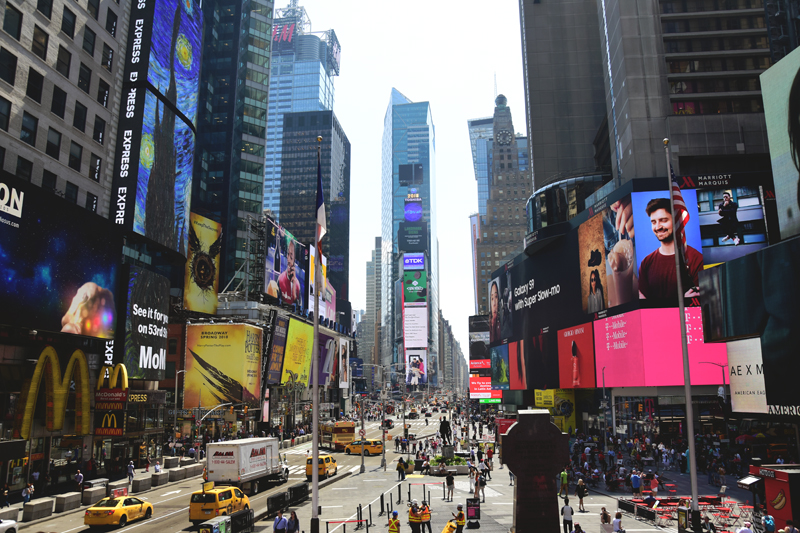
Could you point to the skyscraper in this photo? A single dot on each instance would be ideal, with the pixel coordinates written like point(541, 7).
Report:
point(298, 199)
point(509, 186)
point(408, 224)
point(229, 163)
point(369, 328)
point(480, 138)
point(303, 67)
point(61, 65)
point(564, 97)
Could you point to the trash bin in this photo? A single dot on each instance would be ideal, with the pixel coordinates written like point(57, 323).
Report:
point(97, 482)
point(220, 524)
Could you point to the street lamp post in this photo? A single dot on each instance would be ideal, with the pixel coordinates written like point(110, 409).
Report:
point(175, 418)
point(724, 400)
point(605, 417)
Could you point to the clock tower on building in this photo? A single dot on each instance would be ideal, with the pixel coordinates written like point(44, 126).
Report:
point(504, 226)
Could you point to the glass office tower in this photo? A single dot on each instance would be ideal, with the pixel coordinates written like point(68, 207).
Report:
point(408, 142)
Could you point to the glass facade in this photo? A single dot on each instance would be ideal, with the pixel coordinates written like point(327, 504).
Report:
point(229, 172)
point(301, 80)
point(562, 200)
point(408, 137)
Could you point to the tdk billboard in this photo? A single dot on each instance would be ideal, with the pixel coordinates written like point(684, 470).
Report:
point(414, 262)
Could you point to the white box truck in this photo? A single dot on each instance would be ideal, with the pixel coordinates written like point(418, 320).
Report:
point(245, 463)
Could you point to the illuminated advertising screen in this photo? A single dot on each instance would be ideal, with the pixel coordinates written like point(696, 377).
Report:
point(618, 348)
point(415, 287)
point(344, 364)
point(323, 282)
point(147, 317)
point(779, 86)
point(299, 347)
point(756, 296)
point(59, 263)
point(655, 249)
point(576, 357)
point(155, 147)
point(284, 269)
point(607, 258)
point(412, 206)
point(176, 52)
point(481, 387)
point(201, 279)
point(746, 377)
point(223, 364)
point(479, 362)
point(414, 261)
point(499, 367)
point(415, 327)
point(413, 236)
point(416, 367)
point(277, 352)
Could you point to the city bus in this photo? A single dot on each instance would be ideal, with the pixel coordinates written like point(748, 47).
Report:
point(336, 435)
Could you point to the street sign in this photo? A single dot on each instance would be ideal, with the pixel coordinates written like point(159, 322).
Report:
point(489, 400)
point(362, 432)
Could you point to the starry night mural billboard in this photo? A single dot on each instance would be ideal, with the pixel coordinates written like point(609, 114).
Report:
point(156, 140)
point(59, 263)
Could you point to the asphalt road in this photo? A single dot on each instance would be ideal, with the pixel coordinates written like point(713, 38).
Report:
point(171, 503)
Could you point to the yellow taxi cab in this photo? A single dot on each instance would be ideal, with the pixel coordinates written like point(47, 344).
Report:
point(327, 467)
point(117, 511)
point(413, 414)
point(216, 501)
point(370, 447)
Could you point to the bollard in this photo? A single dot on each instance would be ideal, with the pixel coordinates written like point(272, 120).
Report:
point(381, 513)
point(409, 493)
point(370, 516)
point(327, 527)
point(429, 496)
point(399, 495)
point(444, 493)
point(358, 516)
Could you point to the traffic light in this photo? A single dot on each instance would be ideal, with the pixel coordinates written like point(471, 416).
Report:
point(245, 409)
point(231, 409)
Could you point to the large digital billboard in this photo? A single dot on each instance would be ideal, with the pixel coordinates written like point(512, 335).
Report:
point(576, 357)
point(416, 366)
point(278, 350)
point(311, 277)
point(59, 263)
point(201, 279)
point(479, 362)
point(756, 297)
point(343, 360)
point(780, 87)
point(412, 236)
point(297, 358)
point(146, 301)
point(415, 327)
point(155, 147)
point(415, 287)
point(285, 268)
point(223, 365)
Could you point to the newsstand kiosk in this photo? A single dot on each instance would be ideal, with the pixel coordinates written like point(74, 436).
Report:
point(776, 485)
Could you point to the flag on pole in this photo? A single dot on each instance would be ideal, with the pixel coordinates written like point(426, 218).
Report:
point(681, 215)
point(322, 226)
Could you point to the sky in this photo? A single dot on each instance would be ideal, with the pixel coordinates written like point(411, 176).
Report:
point(444, 52)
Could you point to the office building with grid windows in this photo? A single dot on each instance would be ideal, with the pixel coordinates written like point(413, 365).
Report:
point(60, 79)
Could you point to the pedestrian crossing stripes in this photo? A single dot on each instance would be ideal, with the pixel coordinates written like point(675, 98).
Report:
point(296, 469)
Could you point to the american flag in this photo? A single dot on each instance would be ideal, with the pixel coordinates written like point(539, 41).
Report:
point(681, 214)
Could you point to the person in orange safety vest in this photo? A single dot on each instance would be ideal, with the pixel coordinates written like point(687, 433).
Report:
point(394, 523)
point(461, 520)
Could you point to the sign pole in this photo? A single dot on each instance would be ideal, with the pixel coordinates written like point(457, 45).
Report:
point(314, 388)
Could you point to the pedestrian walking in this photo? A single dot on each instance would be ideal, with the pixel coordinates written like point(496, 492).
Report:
point(79, 480)
point(510, 478)
point(566, 513)
point(147, 463)
point(131, 471)
point(461, 520)
point(293, 524)
point(4, 496)
point(425, 516)
point(280, 523)
point(394, 523)
point(580, 492)
point(564, 490)
point(27, 493)
point(451, 485)
point(480, 486)
point(401, 469)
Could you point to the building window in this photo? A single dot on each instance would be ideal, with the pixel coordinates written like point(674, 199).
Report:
point(5, 114)
point(75, 155)
point(40, 40)
point(24, 169)
point(108, 57)
point(89, 38)
point(8, 66)
point(63, 62)
point(49, 181)
point(71, 193)
point(102, 93)
point(68, 23)
point(95, 163)
point(111, 22)
point(53, 148)
point(35, 84)
point(30, 125)
point(99, 129)
point(45, 7)
point(59, 104)
point(94, 8)
point(2, 157)
point(84, 78)
point(12, 23)
point(91, 202)
point(79, 119)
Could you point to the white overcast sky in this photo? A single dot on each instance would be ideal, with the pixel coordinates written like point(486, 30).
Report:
point(445, 52)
